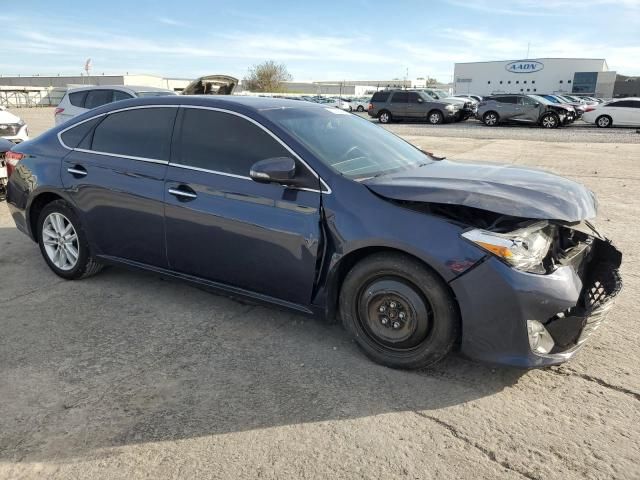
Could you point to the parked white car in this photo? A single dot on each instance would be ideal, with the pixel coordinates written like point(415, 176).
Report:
point(359, 104)
point(12, 127)
point(79, 100)
point(621, 112)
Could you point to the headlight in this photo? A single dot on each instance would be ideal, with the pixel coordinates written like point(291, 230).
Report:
point(524, 249)
point(450, 107)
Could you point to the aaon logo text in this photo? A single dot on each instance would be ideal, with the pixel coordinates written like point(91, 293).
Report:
point(524, 66)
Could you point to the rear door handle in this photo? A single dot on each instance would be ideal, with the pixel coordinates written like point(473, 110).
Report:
point(183, 193)
point(77, 171)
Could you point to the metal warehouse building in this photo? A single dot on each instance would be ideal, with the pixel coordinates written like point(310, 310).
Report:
point(589, 76)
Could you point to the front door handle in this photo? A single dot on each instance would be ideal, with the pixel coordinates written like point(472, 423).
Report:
point(183, 193)
point(77, 171)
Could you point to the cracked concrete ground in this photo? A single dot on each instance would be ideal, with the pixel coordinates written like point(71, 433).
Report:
point(125, 375)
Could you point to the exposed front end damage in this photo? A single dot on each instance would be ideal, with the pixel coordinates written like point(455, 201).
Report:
point(533, 319)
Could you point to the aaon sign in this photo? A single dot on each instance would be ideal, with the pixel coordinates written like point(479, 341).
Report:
point(524, 66)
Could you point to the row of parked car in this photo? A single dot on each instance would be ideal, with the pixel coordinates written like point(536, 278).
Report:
point(548, 111)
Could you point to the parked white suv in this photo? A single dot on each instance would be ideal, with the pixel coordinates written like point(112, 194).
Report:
point(79, 100)
point(12, 127)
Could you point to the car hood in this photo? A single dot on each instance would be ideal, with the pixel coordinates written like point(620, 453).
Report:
point(503, 189)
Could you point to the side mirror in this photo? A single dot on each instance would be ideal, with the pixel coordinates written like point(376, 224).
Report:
point(536, 104)
point(420, 100)
point(274, 170)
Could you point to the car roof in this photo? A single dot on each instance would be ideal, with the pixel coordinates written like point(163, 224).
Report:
point(124, 88)
point(241, 104)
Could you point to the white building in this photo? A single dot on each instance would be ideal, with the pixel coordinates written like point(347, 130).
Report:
point(589, 76)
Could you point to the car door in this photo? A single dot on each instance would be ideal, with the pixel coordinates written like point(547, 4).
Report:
point(506, 107)
point(115, 177)
point(633, 113)
point(621, 112)
point(223, 226)
point(530, 109)
point(415, 106)
point(398, 104)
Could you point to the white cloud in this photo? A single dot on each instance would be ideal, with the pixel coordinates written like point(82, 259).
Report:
point(171, 21)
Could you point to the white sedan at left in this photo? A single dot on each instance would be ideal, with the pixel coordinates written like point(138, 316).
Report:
point(12, 127)
point(621, 112)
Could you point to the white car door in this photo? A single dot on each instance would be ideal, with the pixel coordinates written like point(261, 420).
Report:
point(620, 112)
point(633, 112)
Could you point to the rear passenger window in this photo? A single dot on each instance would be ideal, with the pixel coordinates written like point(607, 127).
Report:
point(118, 95)
point(224, 142)
point(400, 97)
point(380, 96)
point(144, 132)
point(413, 97)
point(506, 99)
point(97, 98)
point(79, 136)
point(77, 98)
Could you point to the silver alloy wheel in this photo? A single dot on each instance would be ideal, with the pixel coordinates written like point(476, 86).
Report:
point(549, 121)
point(434, 118)
point(603, 121)
point(384, 117)
point(490, 119)
point(60, 241)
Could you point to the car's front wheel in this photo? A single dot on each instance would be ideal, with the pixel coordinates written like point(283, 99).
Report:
point(63, 243)
point(603, 121)
point(435, 117)
point(398, 311)
point(550, 120)
point(360, 108)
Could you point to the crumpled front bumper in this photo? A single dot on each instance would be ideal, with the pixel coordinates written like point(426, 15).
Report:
point(572, 302)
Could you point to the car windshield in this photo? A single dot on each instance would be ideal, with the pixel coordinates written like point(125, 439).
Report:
point(155, 94)
point(352, 146)
point(543, 100)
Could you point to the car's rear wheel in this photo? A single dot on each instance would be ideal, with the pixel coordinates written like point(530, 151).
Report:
point(604, 121)
point(435, 117)
point(550, 120)
point(360, 108)
point(63, 242)
point(490, 119)
point(384, 117)
point(399, 312)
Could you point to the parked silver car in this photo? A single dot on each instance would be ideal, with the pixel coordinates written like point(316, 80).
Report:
point(521, 109)
point(82, 99)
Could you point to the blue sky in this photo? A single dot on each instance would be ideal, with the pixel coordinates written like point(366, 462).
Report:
point(325, 40)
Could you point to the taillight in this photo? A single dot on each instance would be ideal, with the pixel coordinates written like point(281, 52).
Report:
point(58, 110)
point(589, 109)
point(12, 159)
point(370, 106)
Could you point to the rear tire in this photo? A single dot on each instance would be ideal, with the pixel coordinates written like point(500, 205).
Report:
point(490, 119)
point(400, 313)
point(384, 117)
point(63, 243)
point(604, 121)
point(360, 108)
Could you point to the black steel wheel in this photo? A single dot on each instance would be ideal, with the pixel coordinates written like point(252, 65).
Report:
point(399, 311)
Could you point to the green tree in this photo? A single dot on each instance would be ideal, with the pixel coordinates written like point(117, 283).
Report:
point(267, 76)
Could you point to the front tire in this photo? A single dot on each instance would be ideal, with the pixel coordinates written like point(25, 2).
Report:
point(435, 117)
point(399, 312)
point(360, 108)
point(604, 121)
point(550, 120)
point(63, 243)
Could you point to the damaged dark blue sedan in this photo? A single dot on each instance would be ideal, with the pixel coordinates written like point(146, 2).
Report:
point(325, 213)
